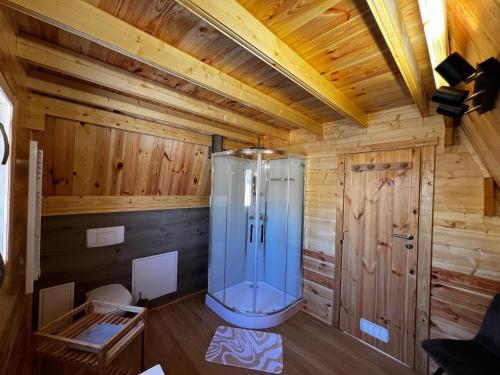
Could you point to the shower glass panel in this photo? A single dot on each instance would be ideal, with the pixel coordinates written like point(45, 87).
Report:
point(256, 231)
point(218, 214)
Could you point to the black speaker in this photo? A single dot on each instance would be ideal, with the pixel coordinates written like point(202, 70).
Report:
point(455, 69)
point(487, 83)
point(449, 95)
point(452, 111)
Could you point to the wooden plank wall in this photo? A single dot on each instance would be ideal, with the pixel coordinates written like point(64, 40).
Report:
point(146, 233)
point(319, 241)
point(473, 32)
point(466, 251)
point(91, 169)
point(14, 306)
point(83, 159)
point(466, 263)
point(466, 243)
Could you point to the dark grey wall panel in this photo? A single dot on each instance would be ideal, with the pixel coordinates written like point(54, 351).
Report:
point(64, 257)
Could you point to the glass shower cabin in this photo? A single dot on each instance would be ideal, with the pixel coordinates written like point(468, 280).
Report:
point(256, 221)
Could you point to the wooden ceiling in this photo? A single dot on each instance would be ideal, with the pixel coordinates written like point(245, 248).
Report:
point(340, 39)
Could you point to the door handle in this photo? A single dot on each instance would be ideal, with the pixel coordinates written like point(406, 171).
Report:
point(6, 144)
point(262, 233)
point(251, 233)
point(407, 236)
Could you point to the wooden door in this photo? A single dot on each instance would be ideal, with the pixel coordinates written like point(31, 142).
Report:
point(379, 270)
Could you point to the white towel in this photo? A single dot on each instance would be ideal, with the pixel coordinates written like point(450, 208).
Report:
point(99, 333)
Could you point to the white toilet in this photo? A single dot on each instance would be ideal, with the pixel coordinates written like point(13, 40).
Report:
point(114, 293)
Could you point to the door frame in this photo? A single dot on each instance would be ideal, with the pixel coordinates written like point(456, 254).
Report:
point(425, 224)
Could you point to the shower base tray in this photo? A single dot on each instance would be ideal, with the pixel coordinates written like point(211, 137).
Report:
point(253, 320)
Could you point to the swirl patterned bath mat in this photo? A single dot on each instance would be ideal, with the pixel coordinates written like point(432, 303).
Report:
point(254, 350)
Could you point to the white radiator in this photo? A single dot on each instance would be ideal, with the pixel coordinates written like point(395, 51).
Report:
point(34, 216)
point(154, 276)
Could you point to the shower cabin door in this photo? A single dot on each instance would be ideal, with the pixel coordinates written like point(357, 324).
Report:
point(278, 266)
point(231, 208)
point(257, 258)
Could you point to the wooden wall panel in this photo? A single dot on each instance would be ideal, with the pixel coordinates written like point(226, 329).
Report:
point(473, 32)
point(14, 334)
point(75, 205)
point(466, 243)
point(15, 305)
point(87, 160)
point(146, 233)
point(466, 261)
point(398, 125)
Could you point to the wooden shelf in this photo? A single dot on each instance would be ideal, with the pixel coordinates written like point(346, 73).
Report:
point(58, 341)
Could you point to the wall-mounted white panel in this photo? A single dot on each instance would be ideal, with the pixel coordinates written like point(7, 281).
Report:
point(55, 302)
point(154, 276)
point(105, 236)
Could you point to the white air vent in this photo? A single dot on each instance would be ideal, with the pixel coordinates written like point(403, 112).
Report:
point(372, 329)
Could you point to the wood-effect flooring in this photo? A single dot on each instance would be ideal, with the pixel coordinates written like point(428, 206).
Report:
point(179, 335)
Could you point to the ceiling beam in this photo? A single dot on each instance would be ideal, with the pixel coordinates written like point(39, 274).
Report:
point(101, 98)
point(85, 20)
point(233, 20)
point(433, 15)
point(390, 22)
point(90, 70)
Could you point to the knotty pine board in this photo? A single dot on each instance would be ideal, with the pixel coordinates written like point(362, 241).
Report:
point(465, 241)
point(466, 248)
point(402, 124)
point(14, 335)
point(473, 33)
point(86, 160)
point(75, 205)
point(327, 38)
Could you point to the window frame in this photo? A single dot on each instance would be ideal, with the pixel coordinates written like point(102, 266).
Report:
point(7, 111)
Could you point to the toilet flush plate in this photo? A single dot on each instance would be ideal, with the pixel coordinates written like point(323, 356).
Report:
point(105, 236)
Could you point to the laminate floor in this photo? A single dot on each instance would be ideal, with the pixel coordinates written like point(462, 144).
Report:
point(179, 335)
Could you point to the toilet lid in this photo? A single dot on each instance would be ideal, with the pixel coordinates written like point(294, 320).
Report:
point(114, 293)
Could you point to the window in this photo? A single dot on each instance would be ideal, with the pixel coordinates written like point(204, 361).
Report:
point(5, 137)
